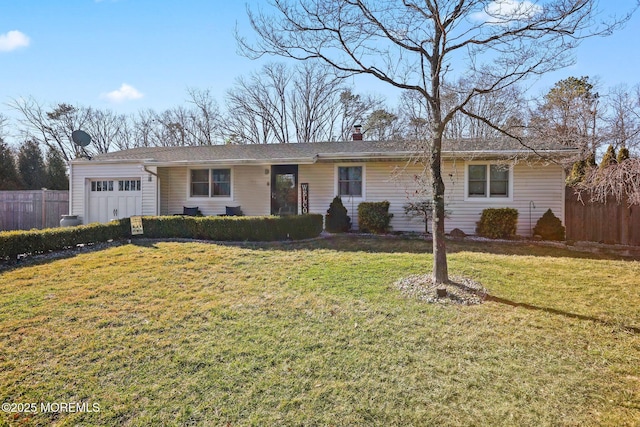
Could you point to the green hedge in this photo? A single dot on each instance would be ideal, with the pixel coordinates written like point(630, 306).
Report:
point(14, 243)
point(234, 228)
point(498, 223)
point(374, 217)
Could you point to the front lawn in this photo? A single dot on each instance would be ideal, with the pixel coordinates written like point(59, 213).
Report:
point(315, 333)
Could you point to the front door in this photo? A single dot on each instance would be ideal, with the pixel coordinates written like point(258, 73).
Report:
point(284, 190)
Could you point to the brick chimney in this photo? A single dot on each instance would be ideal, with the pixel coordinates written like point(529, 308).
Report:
point(357, 135)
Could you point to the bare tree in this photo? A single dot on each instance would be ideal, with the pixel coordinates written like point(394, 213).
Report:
point(51, 128)
point(107, 129)
point(382, 125)
point(257, 107)
point(623, 118)
point(279, 105)
point(503, 108)
point(418, 46)
point(618, 180)
point(353, 110)
point(315, 102)
point(4, 121)
point(145, 129)
point(569, 114)
point(204, 117)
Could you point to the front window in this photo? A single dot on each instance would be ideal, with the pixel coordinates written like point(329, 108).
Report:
point(499, 181)
point(221, 182)
point(210, 183)
point(488, 180)
point(200, 183)
point(350, 181)
point(477, 180)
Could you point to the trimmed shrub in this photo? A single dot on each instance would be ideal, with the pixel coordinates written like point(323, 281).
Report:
point(549, 227)
point(337, 220)
point(497, 223)
point(234, 228)
point(14, 243)
point(374, 217)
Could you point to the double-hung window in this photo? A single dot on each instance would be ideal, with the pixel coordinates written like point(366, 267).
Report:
point(488, 181)
point(220, 182)
point(210, 183)
point(350, 181)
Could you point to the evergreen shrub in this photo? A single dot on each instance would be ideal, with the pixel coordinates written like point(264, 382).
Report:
point(374, 217)
point(337, 220)
point(497, 223)
point(549, 227)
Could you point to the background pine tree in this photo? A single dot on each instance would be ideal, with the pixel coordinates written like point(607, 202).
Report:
point(31, 166)
point(9, 179)
point(56, 177)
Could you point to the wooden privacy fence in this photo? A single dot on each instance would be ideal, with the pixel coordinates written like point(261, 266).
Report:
point(24, 210)
point(610, 222)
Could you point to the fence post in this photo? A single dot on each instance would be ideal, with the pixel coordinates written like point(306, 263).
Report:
point(44, 208)
point(625, 222)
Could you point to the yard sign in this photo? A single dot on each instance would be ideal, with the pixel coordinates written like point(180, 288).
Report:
point(136, 225)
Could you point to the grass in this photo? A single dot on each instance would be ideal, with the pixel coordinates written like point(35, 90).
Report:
point(314, 333)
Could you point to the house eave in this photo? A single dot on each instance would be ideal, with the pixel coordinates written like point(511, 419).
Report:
point(365, 156)
point(112, 161)
point(336, 157)
point(507, 154)
point(232, 162)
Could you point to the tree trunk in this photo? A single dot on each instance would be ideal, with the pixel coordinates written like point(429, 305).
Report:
point(440, 270)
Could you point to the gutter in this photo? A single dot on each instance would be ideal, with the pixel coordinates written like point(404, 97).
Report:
point(144, 168)
point(235, 162)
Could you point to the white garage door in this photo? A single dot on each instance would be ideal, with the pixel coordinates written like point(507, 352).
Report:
point(113, 199)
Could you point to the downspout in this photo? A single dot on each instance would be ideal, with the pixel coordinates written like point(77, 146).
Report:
point(144, 167)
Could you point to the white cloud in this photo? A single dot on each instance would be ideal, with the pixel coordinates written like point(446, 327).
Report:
point(124, 93)
point(13, 40)
point(502, 11)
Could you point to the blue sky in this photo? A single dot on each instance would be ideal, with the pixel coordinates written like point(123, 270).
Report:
point(128, 55)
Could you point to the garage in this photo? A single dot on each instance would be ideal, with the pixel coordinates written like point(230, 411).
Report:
point(111, 199)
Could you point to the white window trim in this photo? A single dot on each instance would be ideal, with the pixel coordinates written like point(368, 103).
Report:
point(336, 177)
point(190, 198)
point(487, 198)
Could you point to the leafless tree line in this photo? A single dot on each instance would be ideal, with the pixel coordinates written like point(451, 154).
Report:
point(279, 104)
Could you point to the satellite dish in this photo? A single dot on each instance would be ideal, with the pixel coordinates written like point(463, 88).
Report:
point(81, 138)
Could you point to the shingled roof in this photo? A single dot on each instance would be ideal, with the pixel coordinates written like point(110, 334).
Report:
point(314, 152)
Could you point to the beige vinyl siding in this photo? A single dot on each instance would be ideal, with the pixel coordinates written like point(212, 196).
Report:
point(84, 172)
point(320, 178)
point(394, 181)
point(165, 185)
point(383, 180)
point(252, 189)
point(378, 185)
point(148, 183)
point(249, 190)
point(537, 182)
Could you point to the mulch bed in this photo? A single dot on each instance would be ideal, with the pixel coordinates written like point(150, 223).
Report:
point(459, 290)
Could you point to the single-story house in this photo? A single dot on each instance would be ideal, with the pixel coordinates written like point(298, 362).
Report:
point(291, 179)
